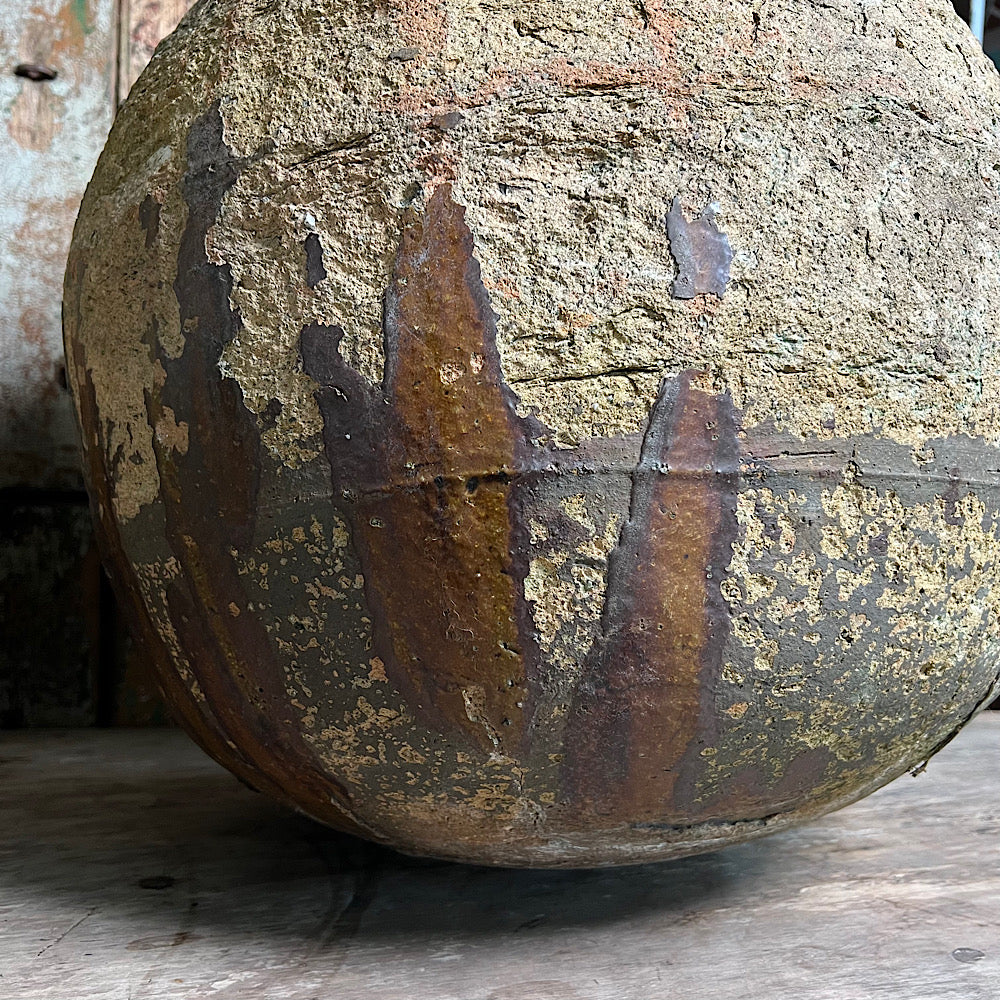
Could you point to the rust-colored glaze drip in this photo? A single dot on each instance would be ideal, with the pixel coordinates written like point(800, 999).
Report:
point(638, 712)
point(451, 607)
point(430, 513)
point(209, 496)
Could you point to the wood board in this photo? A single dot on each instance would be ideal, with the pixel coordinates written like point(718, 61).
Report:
point(65, 62)
point(131, 866)
point(144, 24)
point(54, 128)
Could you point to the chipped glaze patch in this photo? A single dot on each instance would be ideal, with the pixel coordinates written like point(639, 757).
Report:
point(701, 251)
point(839, 598)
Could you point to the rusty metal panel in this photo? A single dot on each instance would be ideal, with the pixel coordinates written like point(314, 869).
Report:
point(57, 71)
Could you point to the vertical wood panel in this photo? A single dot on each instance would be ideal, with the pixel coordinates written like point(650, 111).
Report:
point(144, 24)
point(54, 131)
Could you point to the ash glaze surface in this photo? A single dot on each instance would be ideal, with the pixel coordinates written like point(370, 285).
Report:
point(450, 523)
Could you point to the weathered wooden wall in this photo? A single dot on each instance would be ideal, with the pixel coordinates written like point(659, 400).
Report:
point(55, 128)
point(144, 23)
point(63, 66)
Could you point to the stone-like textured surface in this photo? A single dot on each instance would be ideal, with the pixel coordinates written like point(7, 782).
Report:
point(456, 526)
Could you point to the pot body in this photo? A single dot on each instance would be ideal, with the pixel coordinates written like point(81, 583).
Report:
point(552, 434)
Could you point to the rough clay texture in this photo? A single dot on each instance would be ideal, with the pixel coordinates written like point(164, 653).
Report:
point(825, 433)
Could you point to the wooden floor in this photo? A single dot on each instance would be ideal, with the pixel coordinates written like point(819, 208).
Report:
point(132, 866)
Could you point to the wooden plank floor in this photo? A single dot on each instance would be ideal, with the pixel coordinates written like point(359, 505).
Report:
point(133, 867)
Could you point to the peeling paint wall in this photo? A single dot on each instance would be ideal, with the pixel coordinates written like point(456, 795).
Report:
point(63, 64)
point(53, 130)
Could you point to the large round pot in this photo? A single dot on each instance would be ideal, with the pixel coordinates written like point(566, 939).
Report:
point(553, 433)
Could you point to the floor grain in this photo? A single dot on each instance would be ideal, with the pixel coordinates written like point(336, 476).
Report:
point(131, 866)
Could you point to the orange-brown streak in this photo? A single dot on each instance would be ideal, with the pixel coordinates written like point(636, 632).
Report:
point(670, 624)
point(439, 543)
point(638, 707)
